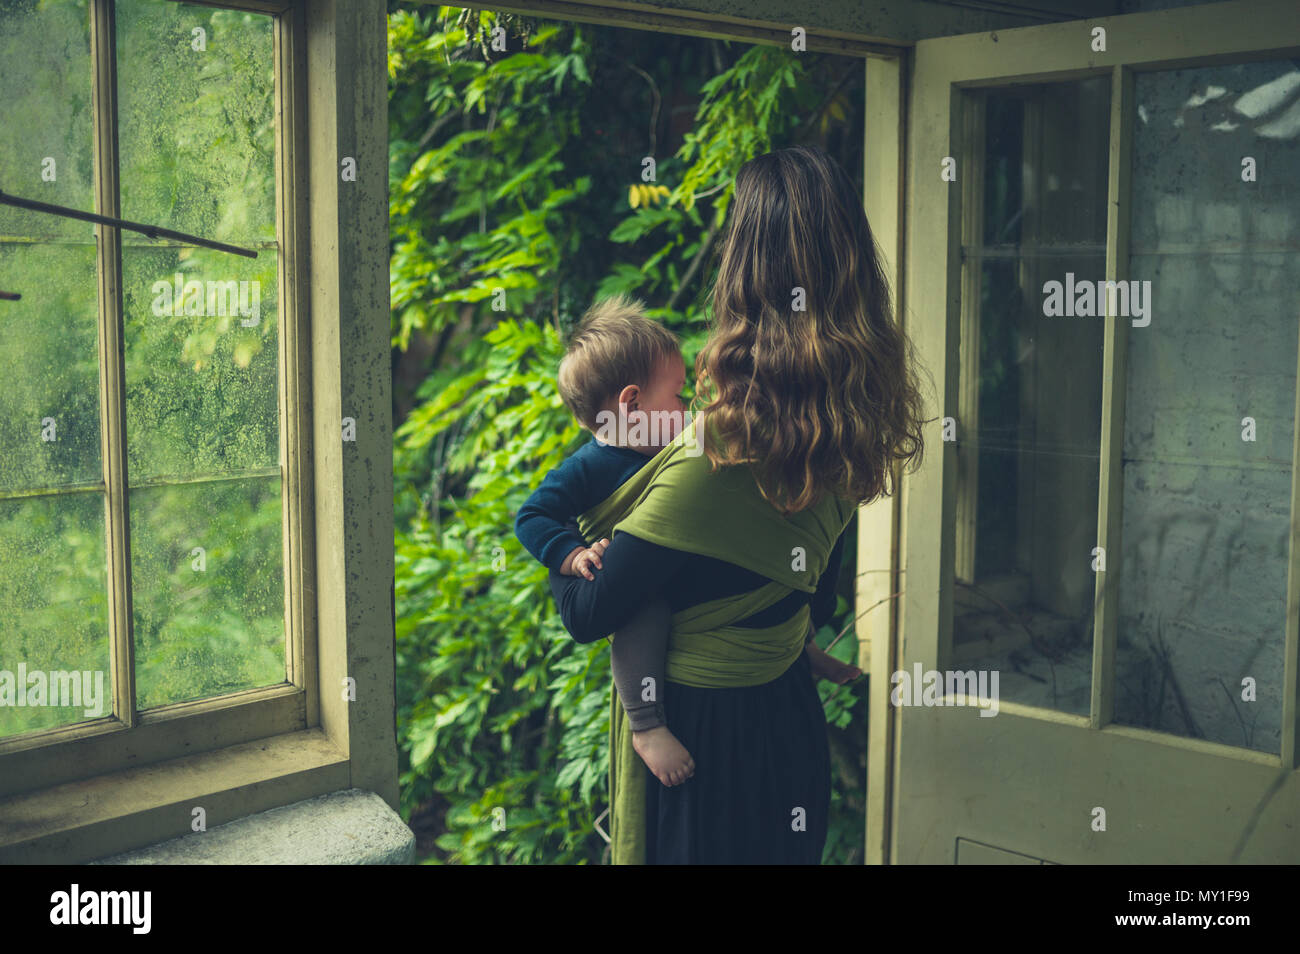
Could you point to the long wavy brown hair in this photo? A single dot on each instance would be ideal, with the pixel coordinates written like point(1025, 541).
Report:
point(816, 399)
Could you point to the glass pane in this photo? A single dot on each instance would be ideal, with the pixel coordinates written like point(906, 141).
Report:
point(45, 93)
point(49, 368)
point(1028, 443)
point(1209, 421)
point(201, 346)
point(54, 613)
point(196, 114)
point(208, 585)
point(201, 362)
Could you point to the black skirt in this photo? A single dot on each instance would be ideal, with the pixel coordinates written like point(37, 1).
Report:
point(761, 792)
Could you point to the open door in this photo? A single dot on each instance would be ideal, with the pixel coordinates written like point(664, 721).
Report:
point(1108, 526)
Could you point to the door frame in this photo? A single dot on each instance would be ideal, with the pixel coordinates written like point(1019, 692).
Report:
point(876, 607)
point(1080, 761)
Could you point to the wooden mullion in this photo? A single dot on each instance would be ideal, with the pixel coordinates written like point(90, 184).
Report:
point(294, 391)
point(1110, 497)
point(112, 371)
point(1290, 757)
point(30, 494)
point(273, 7)
point(947, 247)
point(971, 176)
point(1029, 549)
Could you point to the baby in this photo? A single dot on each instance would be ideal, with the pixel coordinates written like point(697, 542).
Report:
point(621, 362)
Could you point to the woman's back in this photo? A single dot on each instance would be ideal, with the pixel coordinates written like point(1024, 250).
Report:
point(808, 399)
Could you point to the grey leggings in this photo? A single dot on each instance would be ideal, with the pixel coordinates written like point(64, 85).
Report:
point(636, 654)
point(637, 659)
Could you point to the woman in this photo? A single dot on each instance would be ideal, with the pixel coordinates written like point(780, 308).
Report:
point(812, 400)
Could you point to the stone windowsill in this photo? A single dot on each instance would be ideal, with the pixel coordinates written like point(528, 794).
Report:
point(349, 827)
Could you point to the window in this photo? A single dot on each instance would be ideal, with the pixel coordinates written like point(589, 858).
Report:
point(152, 541)
point(1027, 499)
point(1203, 379)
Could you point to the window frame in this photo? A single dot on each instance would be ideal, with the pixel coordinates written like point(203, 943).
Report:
point(92, 747)
point(79, 792)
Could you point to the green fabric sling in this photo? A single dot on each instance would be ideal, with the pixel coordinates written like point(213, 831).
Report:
point(675, 502)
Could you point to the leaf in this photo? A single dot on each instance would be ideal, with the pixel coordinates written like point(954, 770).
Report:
point(634, 226)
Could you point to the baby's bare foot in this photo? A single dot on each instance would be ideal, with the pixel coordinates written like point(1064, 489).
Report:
point(826, 666)
point(664, 755)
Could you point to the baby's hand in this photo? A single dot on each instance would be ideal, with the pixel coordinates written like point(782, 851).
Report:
point(585, 559)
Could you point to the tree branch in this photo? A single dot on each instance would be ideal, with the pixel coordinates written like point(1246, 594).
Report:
point(694, 267)
point(654, 109)
point(830, 97)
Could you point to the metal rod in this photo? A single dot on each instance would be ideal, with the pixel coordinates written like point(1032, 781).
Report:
point(153, 231)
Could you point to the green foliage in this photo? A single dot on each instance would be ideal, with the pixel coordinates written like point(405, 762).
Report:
point(491, 689)
point(741, 111)
point(511, 173)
